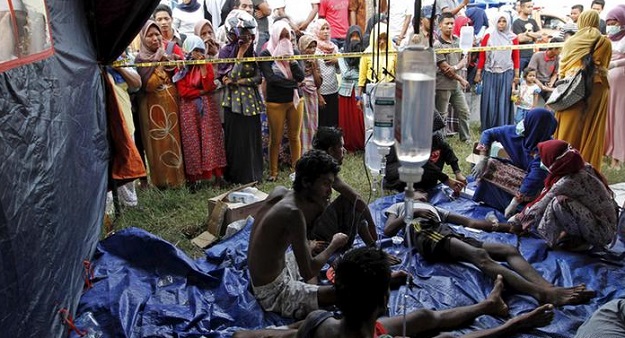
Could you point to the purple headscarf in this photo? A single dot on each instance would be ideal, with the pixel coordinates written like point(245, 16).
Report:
point(618, 14)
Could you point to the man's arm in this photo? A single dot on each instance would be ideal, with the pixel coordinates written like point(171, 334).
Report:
point(309, 266)
point(262, 10)
point(311, 17)
point(455, 11)
point(348, 192)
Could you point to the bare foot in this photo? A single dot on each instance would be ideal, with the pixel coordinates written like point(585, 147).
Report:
point(559, 296)
point(539, 317)
point(495, 304)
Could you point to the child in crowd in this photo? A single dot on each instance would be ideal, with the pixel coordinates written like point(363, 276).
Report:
point(527, 95)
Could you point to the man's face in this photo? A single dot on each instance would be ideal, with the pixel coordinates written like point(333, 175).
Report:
point(596, 7)
point(338, 152)
point(446, 26)
point(246, 5)
point(320, 191)
point(163, 20)
point(527, 7)
point(575, 14)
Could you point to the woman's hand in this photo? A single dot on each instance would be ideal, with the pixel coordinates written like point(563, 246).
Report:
point(227, 81)
point(478, 77)
point(322, 101)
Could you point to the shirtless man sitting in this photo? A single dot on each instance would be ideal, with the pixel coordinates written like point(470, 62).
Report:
point(438, 242)
point(348, 213)
point(279, 277)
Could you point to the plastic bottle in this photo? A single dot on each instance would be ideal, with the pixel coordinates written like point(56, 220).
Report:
point(373, 160)
point(367, 100)
point(241, 197)
point(415, 89)
point(87, 323)
point(466, 38)
point(383, 114)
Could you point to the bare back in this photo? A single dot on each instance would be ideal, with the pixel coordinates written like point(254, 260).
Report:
point(273, 232)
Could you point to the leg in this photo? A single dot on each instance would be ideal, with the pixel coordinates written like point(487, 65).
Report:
point(276, 114)
point(554, 295)
point(459, 103)
point(441, 102)
point(294, 116)
point(426, 320)
point(509, 254)
point(539, 317)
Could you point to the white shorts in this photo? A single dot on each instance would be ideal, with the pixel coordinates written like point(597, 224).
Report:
point(288, 294)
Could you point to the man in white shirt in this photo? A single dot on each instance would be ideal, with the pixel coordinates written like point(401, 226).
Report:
point(399, 17)
point(301, 12)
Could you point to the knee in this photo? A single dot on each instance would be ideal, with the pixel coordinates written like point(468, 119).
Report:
point(482, 259)
point(509, 251)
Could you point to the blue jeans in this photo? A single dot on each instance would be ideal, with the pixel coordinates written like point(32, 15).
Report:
point(520, 114)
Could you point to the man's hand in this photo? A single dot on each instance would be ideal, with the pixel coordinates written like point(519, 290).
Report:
point(461, 178)
point(258, 14)
point(462, 63)
point(322, 101)
point(338, 240)
point(457, 186)
point(425, 213)
point(317, 247)
point(463, 83)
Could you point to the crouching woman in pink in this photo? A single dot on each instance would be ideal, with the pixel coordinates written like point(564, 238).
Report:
point(576, 209)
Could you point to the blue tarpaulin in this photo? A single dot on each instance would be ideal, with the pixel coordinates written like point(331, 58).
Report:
point(146, 287)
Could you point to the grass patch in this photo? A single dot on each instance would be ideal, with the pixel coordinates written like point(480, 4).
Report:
point(166, 213)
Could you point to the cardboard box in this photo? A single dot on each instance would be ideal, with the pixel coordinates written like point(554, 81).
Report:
point(221, 213)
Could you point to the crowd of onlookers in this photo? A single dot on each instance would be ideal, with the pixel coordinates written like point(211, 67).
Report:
point(221, 122)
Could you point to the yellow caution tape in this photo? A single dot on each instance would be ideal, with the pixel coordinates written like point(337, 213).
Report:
point(180, 63)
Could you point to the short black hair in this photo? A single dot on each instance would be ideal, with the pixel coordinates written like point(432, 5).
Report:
point(162, 8)
point(327, 137)
point(445, 15)
point(598, 2)
point(578, 6)
point(556, 40)
point(311, 166)
point(362, 280)
point(525, 1)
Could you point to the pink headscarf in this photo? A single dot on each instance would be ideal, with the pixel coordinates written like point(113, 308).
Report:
point(282, 47)
point(325, 46)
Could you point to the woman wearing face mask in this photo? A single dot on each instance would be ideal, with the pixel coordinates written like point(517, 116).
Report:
point(201, 133)
point(351, 118)
point(576, 208)
point(615, 127)
point(242, 102)
point(506, 184)
point(283, 100)
point(204, 29)
point(583, 124)
point(158, 110)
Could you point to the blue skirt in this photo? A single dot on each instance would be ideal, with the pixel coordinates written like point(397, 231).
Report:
point(497, 108)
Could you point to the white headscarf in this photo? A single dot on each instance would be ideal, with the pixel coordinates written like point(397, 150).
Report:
point(501, 59)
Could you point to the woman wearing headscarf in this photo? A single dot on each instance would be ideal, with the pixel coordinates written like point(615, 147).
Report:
point(202, 136)
point(501, 72)
point(329, 102)
point(186, 14)
point(504, 184)
point(158, 110)
point(382, 67)
point(204, 29)
point(242, 102)
point(310, 120)
point(351, 118)
point(615, 127)
point(576, 207)
point(283, 101)
point(583, 124)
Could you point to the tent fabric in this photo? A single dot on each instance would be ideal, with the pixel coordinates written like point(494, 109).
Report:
point(211, 296)
point(53, 174)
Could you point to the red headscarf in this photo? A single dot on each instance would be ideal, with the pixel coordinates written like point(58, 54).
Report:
point(561, 159)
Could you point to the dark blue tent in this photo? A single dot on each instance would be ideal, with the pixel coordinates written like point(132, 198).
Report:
point(55, 154)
